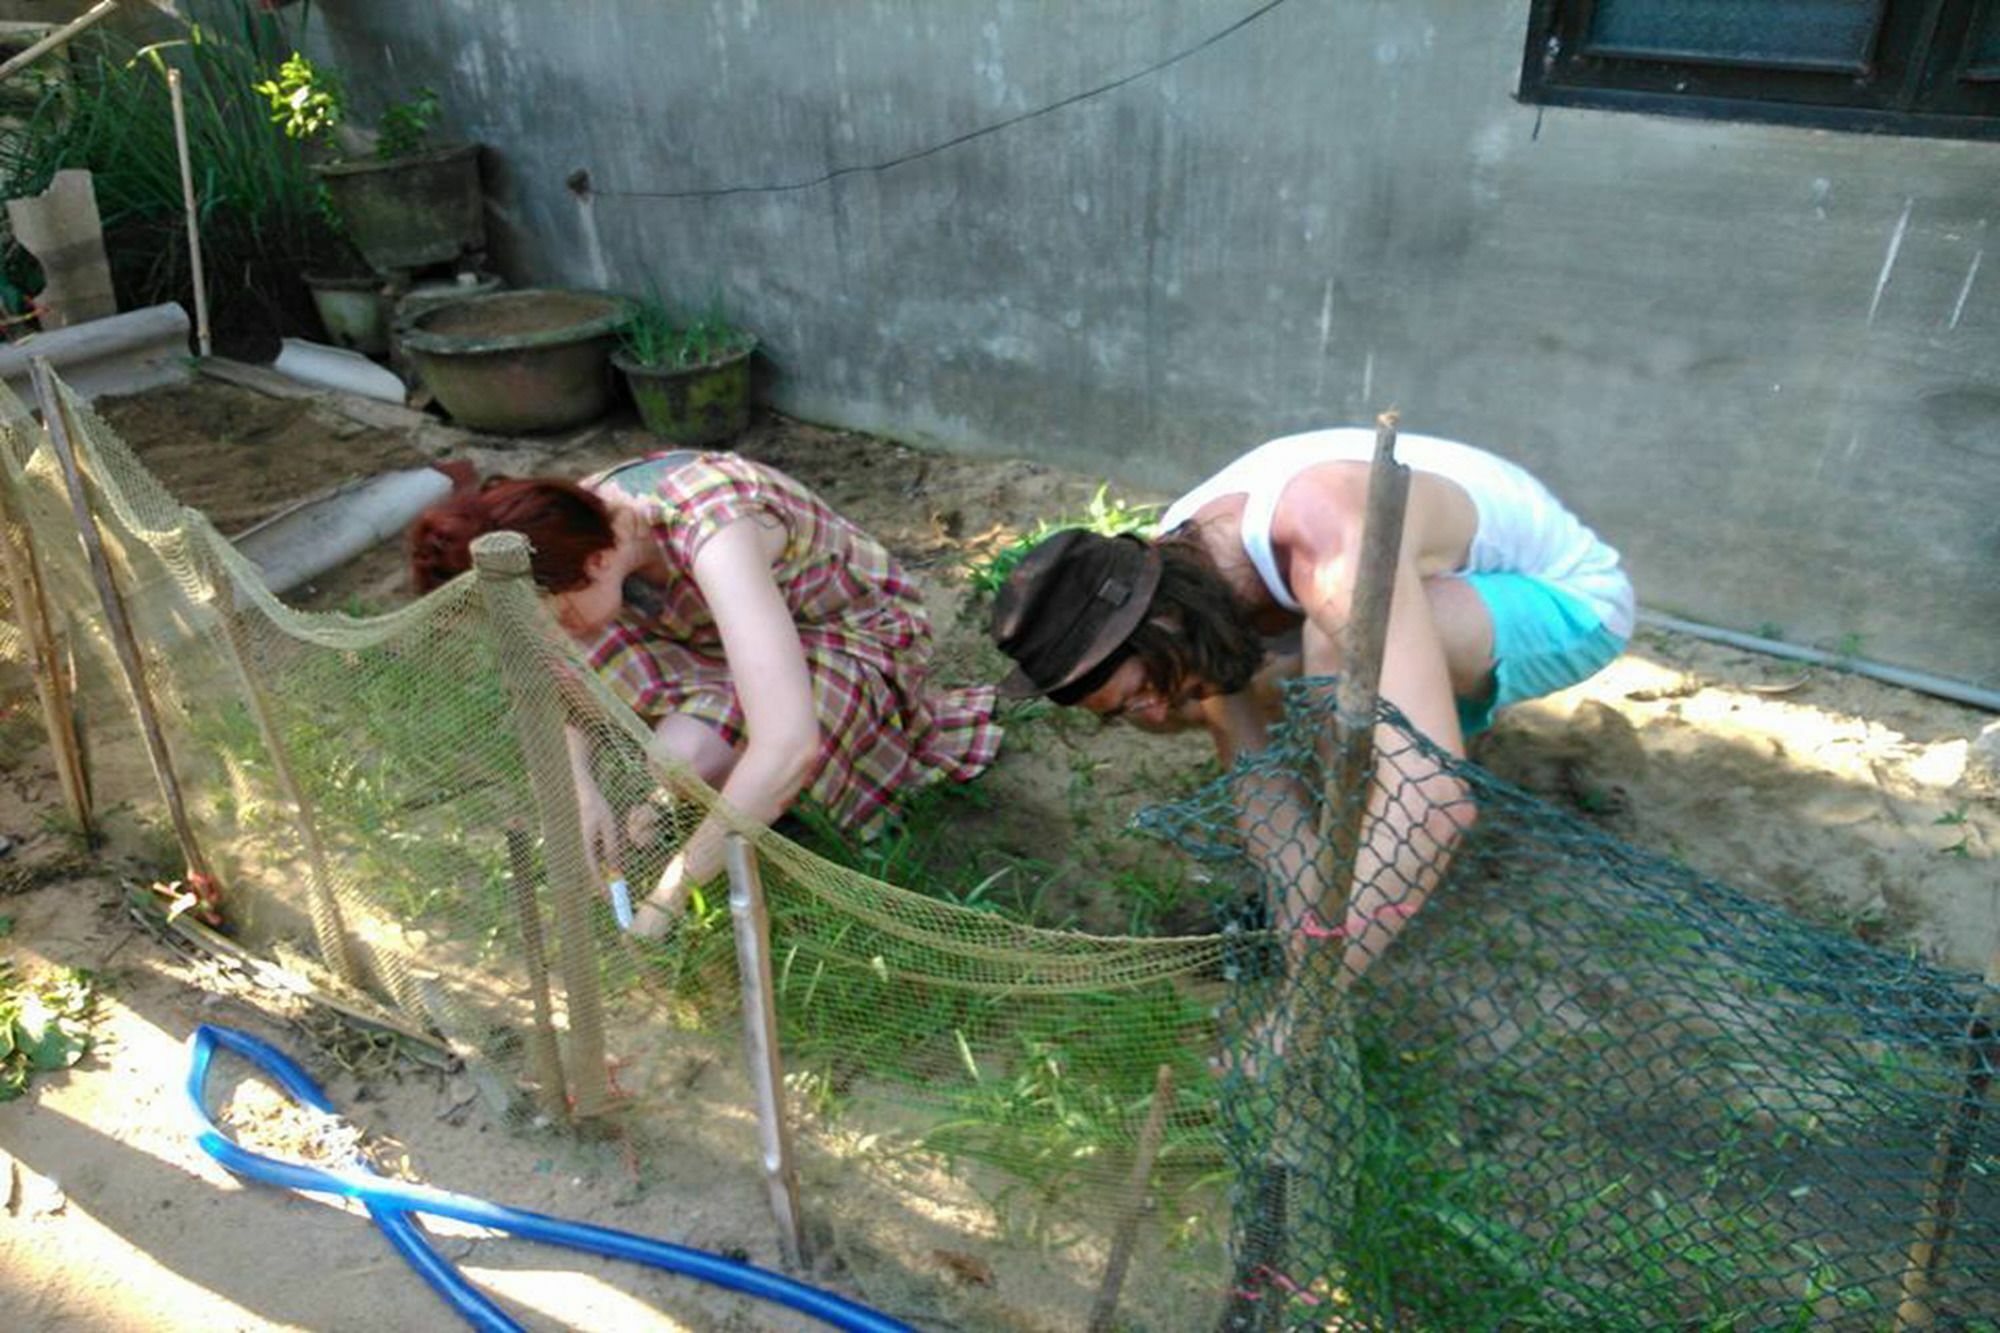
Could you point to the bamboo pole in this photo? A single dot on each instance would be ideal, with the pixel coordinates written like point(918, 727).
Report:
point(1925, 1259)
point(1126, 1233)
point(516, 621)
point(329, 928)
point(760, 1044)
point(544, 1059)
point(193, 214)
point(55, 416)
point(52, 685)
point(62, 36)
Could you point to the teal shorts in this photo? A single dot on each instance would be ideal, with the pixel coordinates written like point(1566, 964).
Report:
point(1544, 640)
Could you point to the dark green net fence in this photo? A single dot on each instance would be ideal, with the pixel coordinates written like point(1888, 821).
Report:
point(1588, 1088)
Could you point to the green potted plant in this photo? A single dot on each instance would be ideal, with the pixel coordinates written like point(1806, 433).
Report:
point(407, 203)
point(689, 376)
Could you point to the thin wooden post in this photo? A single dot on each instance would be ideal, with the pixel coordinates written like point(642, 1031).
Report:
point(1345, 811)
point(1126, 1233)
point(329, 928)
point(52, 686)
point(55, 416)
point(516, 621)
point(544, 1059)
point(193, 213)
point(1316, 978)
point(1954, 1150)
point(760, 1044)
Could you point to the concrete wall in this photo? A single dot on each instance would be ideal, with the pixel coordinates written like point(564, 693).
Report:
point(1760, 360)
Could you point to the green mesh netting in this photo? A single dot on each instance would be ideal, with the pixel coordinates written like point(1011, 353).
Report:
point(1586, 1088)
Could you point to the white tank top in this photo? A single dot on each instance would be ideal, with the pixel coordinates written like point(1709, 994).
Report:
point(1522, 528)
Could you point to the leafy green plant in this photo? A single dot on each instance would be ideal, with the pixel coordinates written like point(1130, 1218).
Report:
point(310, 104)
point(306, 102)
point(44, 1026)
point(405, 127)
point(656, 335)
point(1103, 515)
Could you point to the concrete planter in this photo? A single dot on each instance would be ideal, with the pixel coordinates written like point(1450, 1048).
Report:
point(513, 362)
point(409, 212)
point(692, 405)
point(353, 311)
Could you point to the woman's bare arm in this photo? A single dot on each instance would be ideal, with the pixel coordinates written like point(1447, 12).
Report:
point(767, 666)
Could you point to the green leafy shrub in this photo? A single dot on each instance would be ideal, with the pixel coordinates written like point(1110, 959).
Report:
point(43, 1027)
point(310, 104)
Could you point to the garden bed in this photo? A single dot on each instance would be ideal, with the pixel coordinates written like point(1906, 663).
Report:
point(1838, 797)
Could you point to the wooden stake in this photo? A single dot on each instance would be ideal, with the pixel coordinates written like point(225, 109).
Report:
point(1126, 1233)
point(1343, 824)
point(544, 1059)
point(760, 1045)
point(516, 621)
point(329, 929)
point(1344, 814)
point(55, 416)
point(193, 214)
point(1954, 1150)
point(52, 684)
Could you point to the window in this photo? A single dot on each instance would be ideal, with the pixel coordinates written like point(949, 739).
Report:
point(1893, 66)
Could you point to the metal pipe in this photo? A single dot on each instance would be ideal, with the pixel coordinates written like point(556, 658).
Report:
point(1958, 691)
point(760, 1044)
point(544, 1058)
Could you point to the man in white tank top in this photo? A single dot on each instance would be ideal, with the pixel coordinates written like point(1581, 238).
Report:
point(1501, 594)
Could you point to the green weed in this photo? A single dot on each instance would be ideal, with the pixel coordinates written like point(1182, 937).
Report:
point(1103, 515)
point(44, 1025)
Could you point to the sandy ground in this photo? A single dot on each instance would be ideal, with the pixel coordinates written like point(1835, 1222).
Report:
point(1852, 802)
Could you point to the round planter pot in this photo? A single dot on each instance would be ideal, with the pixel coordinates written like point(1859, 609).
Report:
point(693, 405)
point(512, 362)
point(407, 212)
point(353, 311)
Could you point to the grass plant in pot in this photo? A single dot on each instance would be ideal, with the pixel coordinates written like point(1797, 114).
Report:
point(408, 203)
point(690, 377)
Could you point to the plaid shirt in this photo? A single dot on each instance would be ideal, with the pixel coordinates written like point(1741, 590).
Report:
point(861, 621)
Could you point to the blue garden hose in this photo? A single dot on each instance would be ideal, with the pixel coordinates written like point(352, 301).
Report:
point(391, 1204)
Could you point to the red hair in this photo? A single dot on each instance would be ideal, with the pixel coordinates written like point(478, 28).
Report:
point(564, 524)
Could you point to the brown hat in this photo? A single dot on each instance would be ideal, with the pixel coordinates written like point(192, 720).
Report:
point(1069, 605)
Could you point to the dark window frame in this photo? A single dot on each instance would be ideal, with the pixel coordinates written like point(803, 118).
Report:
point(1918, 77)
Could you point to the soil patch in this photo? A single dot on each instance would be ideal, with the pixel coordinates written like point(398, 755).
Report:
point(1847, 800)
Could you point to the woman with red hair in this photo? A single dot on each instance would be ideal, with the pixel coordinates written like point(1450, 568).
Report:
point(774, 646)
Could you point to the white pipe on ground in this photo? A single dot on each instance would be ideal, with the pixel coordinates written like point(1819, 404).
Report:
point(337, 368)
point(1923, 682)
point(125, 353)
point(303, 543)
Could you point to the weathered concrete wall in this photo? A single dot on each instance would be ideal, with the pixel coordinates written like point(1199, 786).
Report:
point(1136, 236)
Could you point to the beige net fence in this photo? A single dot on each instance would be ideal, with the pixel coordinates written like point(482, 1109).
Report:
point(1587, 1089)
